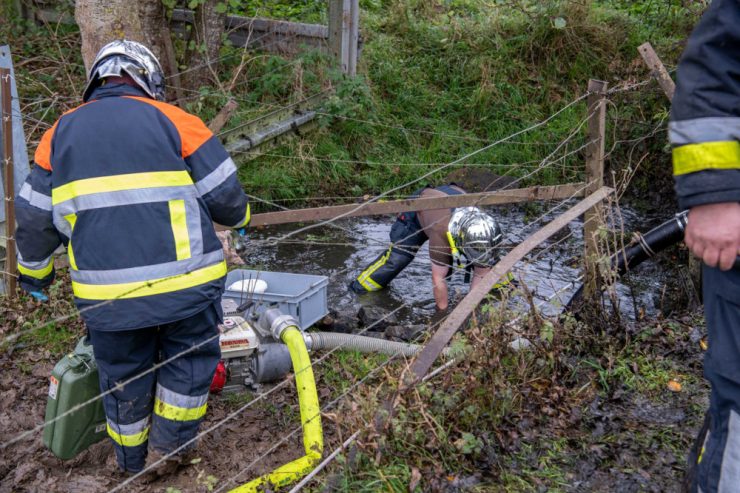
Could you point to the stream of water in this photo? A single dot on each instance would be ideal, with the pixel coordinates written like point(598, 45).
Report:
point(551, 272)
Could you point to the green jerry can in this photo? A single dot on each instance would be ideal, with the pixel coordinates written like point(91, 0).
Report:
point(74, 381)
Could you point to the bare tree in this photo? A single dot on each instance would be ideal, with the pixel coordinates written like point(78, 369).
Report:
point(203, 53)
point(138, 20)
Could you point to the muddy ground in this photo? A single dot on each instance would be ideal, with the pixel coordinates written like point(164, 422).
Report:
point(29, 466)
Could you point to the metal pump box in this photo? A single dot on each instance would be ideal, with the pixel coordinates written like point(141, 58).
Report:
point(300, 295)
point(74, 381)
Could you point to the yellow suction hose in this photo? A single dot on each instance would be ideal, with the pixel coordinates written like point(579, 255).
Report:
point(308, 399)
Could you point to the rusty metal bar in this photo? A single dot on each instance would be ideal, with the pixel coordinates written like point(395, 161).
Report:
point(7, 126)
point(462, 311)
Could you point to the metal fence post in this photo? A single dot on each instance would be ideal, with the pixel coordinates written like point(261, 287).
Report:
point(592, 219)
point(7, 125)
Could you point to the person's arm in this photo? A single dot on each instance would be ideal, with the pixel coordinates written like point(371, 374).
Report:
point(705, 132)
point(439, 285)
point(478, 274)
point(36, 237)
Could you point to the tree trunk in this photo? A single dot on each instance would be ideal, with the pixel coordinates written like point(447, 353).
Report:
point(137, 20)
point(208, 29)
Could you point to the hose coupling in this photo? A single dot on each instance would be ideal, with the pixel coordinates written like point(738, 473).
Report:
point(274, 321)
point(682, 218)
point(308, 340)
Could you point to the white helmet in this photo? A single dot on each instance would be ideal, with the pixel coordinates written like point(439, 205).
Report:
point(476, 234)
point(127, 57)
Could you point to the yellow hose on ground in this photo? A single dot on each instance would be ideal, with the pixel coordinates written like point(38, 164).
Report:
point(313, 440)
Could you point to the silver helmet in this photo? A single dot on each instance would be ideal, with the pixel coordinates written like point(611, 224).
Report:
point(476, 234)
point(127, 57)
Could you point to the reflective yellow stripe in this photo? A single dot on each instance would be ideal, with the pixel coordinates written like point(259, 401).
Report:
point(129, 440)
point(71, 219)
point(175, 413)
point(151, 287)
point(180, 229)
point(36, 273)
point(364, 277)
point(247, 218)
point(115, 183)
point(707, 155)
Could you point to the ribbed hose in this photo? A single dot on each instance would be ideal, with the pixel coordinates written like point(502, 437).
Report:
point(313, 441)
point(362, 344)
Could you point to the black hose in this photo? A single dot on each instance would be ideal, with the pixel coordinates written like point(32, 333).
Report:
point(646, 246)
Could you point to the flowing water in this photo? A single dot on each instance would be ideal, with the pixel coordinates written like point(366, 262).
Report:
point(551, 272)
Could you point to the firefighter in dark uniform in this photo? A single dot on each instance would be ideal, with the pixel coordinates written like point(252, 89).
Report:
point(131, 186)
point(705, 133)
point(464, 237)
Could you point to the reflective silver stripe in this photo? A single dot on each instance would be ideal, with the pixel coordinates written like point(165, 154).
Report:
point(180, 400)
point(729, 474)
point(195, 231)
point(130, 429)
point(216, 177)
point(125, 197)
point(36, 199)
point(61, 224)
point(710, 129)
point(144, 273)
point(33, 265)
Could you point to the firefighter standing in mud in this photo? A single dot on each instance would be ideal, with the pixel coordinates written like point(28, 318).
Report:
point(131, 185)
point(705, 133)
point(463, 237)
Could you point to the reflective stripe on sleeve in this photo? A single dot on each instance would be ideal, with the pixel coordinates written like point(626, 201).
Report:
point(178, 221)
point(71, 219)
point(179, 407)
point(129, 435)
point(245, 221)
point(114, 183)
point(707, 155)
point(150, 287)
point(216, 177)
point(709, 129)
point(37, 270)
point(36, 199)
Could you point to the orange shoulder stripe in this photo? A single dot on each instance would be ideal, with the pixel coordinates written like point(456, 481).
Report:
point(193, 132)
point(42, 157)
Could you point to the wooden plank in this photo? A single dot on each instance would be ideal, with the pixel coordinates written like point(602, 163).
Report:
point(657, 69)
point(7, 125)
point(223, 116)
point(431, 351)
point(594, 178)
point(556, 192)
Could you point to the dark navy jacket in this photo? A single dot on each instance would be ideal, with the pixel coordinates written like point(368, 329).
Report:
point(131, 186)
point(705, 116)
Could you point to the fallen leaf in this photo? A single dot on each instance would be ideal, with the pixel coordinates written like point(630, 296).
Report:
point(674, 386)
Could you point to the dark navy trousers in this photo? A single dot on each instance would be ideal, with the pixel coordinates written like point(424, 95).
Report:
point(719, 462)
point(164, 407)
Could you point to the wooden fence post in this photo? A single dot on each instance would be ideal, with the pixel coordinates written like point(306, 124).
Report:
point(344, 20)
point(594, 180)
point(7, 126)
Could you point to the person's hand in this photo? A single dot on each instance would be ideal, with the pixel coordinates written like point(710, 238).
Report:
point(39, 296)
point(713, 233)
